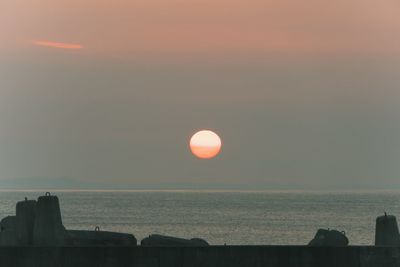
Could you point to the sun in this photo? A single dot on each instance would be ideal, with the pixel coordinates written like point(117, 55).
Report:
point(205, 144)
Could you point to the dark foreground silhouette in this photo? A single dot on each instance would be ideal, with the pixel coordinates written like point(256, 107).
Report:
point(35, 236)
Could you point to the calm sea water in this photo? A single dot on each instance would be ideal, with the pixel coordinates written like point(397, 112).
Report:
point(222, 217)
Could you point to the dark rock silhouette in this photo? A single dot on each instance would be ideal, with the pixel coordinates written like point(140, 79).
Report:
point(25, 220)
point(98, 238)
point(39, 223)
point(8, 231)
point(48, 228)
point(169, 241)
point(326, 237)
point(387, 231)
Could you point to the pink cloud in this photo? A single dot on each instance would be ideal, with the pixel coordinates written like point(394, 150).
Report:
point(57, 44)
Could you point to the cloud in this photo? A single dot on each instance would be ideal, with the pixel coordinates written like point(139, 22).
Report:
point(57, 44)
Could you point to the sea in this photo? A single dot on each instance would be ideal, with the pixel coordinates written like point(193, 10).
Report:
point(222, 217)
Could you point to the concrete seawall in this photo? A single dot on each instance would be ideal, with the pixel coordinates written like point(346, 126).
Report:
point(213, 256)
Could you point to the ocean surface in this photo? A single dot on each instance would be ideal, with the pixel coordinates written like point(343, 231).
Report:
point(248, 218)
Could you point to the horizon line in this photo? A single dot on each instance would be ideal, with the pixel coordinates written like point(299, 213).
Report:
point(208, 190)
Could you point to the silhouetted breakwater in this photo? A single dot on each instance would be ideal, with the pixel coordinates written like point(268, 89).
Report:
point(210, 256)
point(35, 236)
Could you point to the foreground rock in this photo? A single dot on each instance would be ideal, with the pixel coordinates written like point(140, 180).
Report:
point(329, 238)
point(169, 241)
point(387, 231)
point(39, 223)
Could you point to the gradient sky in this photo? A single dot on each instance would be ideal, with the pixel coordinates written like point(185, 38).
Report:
point(304, 94)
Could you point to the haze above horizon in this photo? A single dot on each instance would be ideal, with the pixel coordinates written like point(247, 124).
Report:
point(303, 94)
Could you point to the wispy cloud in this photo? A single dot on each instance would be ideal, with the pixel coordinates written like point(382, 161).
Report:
point(56, 44)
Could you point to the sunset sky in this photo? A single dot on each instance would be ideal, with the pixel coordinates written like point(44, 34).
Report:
point(304, 94)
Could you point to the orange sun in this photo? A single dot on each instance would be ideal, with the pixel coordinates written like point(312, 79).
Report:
point(205, 144)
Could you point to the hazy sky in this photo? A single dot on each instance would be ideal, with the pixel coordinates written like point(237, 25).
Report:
point(304, 94)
